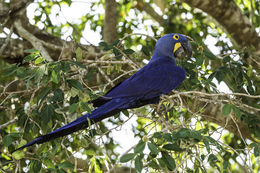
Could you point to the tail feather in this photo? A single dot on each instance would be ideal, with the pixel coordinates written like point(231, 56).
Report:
point(97, 115)
point(74, 126)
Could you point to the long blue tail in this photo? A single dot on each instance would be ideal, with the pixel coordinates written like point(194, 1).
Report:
point(104, 111)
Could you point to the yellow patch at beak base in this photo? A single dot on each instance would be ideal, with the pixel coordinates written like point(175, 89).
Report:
point(176, 47)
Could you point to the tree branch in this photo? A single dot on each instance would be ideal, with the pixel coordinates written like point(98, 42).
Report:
point(110, 22)
point(32, 39)
point(8, 123)
point(237, 24)
point(143, 6)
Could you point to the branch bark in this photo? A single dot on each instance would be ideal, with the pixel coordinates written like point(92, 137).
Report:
point(143, 6)
point(110, 22)
point(232, 19)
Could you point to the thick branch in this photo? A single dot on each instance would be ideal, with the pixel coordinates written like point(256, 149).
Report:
point(32, 39)
point(142, 6)
point(229, 16)
point(110, 23)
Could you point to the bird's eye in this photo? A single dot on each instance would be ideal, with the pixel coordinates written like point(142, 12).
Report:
point(176, 37)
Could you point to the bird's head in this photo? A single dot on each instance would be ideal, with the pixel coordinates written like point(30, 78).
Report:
point(173, 46)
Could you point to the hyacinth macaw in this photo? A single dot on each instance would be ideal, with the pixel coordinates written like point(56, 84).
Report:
point(158, 77)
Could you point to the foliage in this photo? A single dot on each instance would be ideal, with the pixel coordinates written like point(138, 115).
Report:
point(46, 95)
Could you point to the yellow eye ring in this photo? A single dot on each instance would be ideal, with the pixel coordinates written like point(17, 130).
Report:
point(176, 37)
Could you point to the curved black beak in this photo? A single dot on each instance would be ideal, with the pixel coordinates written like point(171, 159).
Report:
point(184, 50)
point(187, 48)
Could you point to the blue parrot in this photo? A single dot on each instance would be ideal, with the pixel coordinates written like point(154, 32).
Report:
point(158, 77)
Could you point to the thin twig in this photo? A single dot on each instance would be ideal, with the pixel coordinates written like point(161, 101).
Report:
point(6, 41)
point(8, 123)
point(218, 94)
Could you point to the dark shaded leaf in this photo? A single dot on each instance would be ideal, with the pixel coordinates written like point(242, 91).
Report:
point(236, 111)
point(138, 164)
point(139, 147)
point(66, 165)
point(206, 142)
point(35, 165)
point(47, 113)
point(153, 148)
point(209, 55)
point(58, 95)
point(43, 94)
point(226, 109)
point(127, 157)
point(173, 147)
point(73, 107)
point(78, 64)
point(128, 51)
point(76, 84)
point(169, 161)
point(126, 113)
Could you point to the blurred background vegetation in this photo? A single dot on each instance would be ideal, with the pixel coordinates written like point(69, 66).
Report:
point(56, 56)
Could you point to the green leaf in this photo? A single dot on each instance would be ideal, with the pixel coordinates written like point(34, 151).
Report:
point(139, 147)
point(73, 107)
point(55, 76)
point(77, 64)
point(195, 135)
point(153, 164)
point(84, 106)
point(58, 95)
point(173, 147)
point(114, 43)
point(250, 89)
point(28, 58)
point(9, 70)
point(183, 133)
point(226, 109)
point(206, 142)
point(127, 157)
point(39, 60)
point(103, 44)
point(67, 165)
point(76, 84)
point(31, 51)
point(212, 158)
point(199, 60)
point(47, 113)
point(167, 137)
point(169, 161)
point(209, 55)
point(138, 164)
point(126, 113)
point(35, 166)
point(146, 50)
point(8, 139)
point(236, 112)
point(161, 162)
point(21, 72)
point(78, 54)
point(128, 51)
point(157, 135)
point(257, 151)
point(43, 94)
point(153, 148)
point(18, 155)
